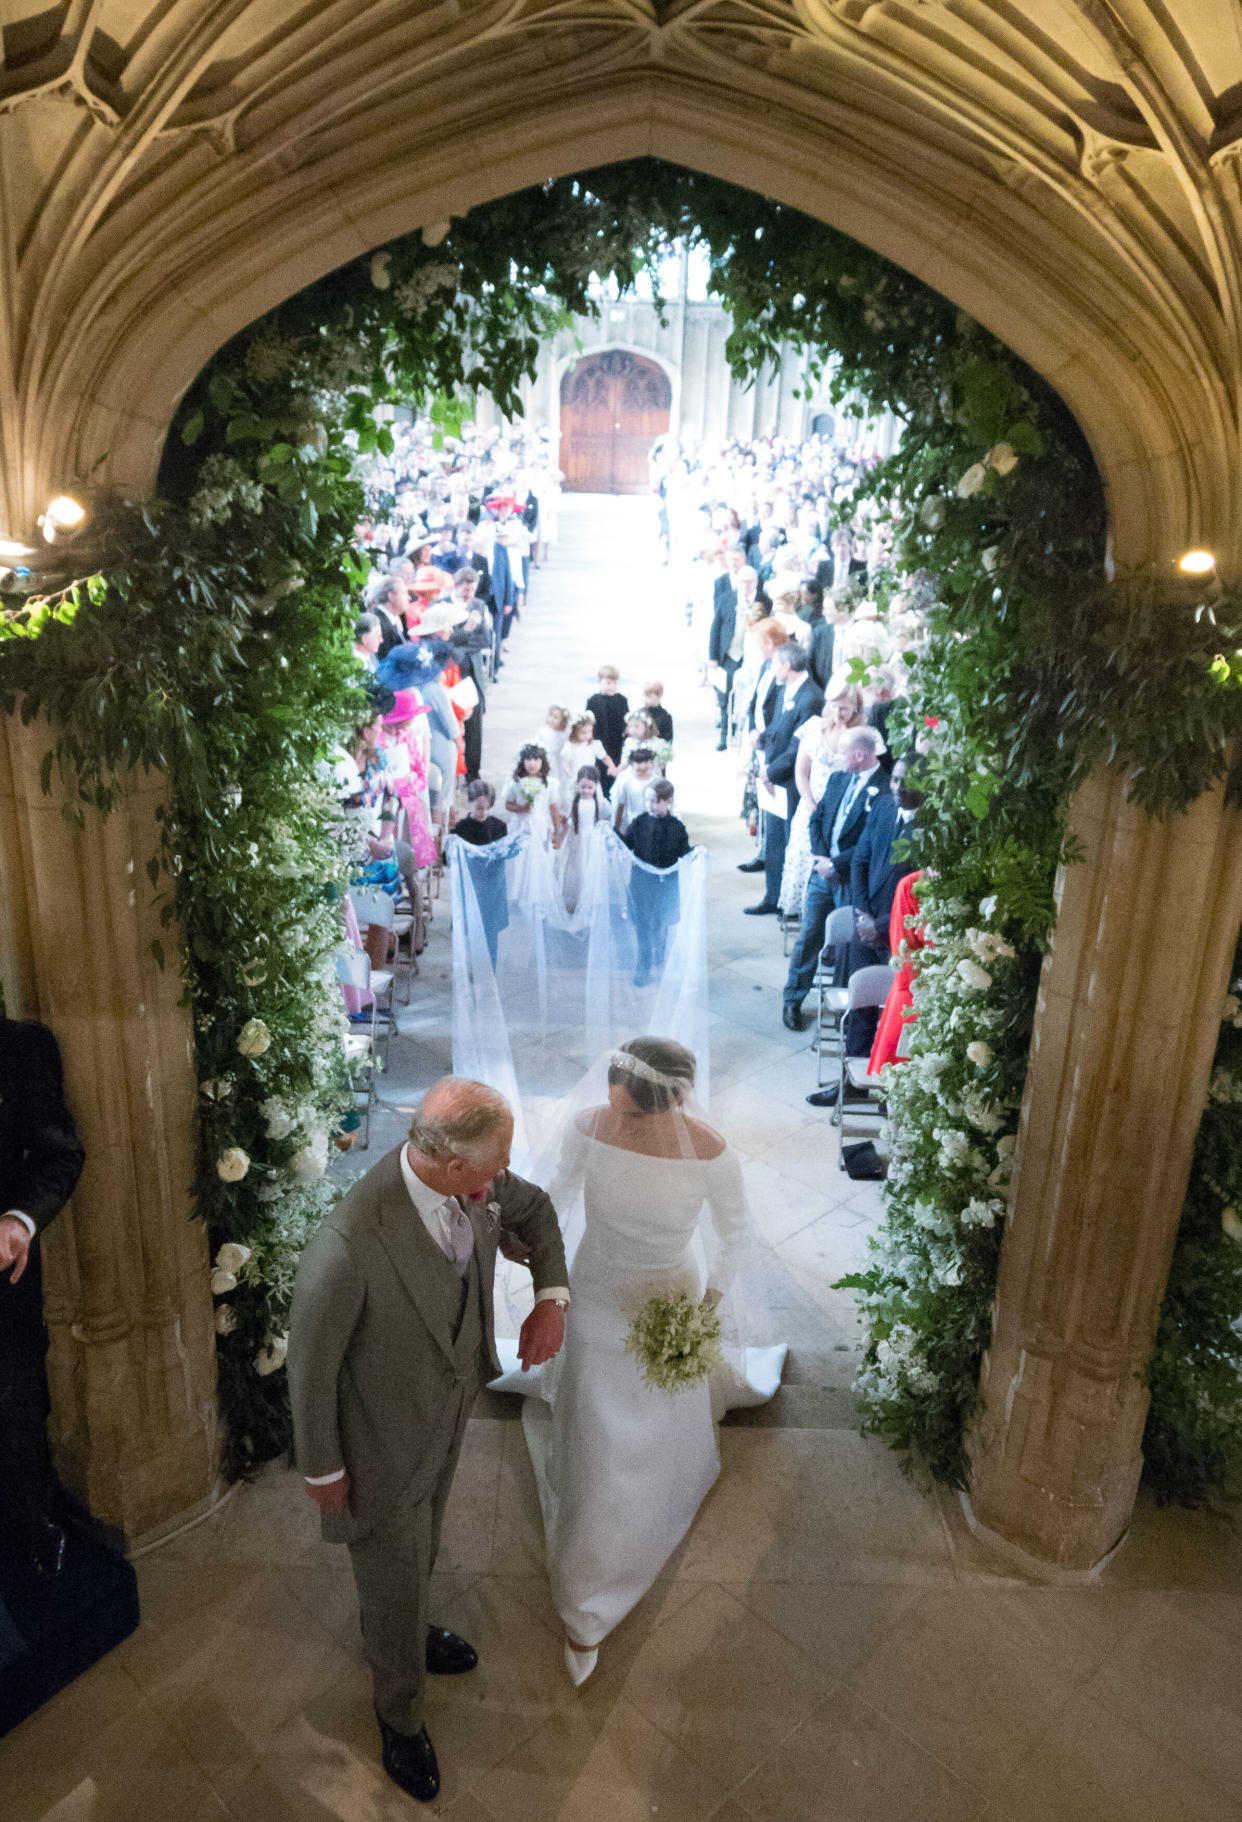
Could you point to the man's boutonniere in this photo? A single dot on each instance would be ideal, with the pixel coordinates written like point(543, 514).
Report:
point(493, 1217)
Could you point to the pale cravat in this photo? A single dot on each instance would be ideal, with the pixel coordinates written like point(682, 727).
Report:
point(458, 1236)
point(847, 804)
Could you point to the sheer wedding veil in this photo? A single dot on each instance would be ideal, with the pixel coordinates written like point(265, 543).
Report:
point(640, 1097)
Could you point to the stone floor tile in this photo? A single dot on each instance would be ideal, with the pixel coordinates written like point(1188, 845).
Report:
point(979, 1674)
point(756, 1123)
point(781, 1205)
point(517, 1540)
point(271, 1520)
point(1094, 1766)
point(847, 1763)
point(1171, 1547)
point(815, 1506)
point(839, 1626)
point(39, 1761)
point(236, 1671)
point(720, 1683)
point(134, 1768)
point(1178, 1678)
point(825, 1250)
point(598, 1765)
point(739, 1052)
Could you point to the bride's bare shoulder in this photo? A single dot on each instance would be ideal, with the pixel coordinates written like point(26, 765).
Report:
point(708, 1143)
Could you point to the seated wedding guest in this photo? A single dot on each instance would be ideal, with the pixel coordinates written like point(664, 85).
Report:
point(609, 709)
point(657, 714)
point(837, 824)
point(906, 936)
point(632, 792)
point(367, 637)
point(659, 839)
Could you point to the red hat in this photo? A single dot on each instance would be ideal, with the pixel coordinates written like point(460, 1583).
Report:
point(429, 580)
point(502, 499)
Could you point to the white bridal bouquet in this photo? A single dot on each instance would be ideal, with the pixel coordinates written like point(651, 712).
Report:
point(675, 1340)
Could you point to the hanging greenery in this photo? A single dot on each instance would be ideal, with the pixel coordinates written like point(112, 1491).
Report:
point(215, 644)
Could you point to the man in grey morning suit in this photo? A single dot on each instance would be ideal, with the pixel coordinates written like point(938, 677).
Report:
point(390, 1338)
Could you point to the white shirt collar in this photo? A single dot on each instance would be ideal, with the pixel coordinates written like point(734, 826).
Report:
point(425, 1199)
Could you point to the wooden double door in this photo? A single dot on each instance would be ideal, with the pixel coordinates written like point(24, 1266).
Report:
point(613, 407)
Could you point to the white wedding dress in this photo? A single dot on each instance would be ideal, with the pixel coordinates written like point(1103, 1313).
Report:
point(622, 1468)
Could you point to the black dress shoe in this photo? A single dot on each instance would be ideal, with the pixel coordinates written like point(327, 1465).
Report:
point(722, 746)
point(824, 1097)
point(410, 1761)
point(792, 1015)
point(763, 910)
point(448, 1655)
point(752, 866)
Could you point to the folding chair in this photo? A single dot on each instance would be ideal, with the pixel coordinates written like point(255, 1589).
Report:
point(378, 908)
point(859, 1119)
point(353, 969)
point(829, 1039)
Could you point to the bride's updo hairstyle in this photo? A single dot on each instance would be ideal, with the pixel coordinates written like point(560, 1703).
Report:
point(656, 1073)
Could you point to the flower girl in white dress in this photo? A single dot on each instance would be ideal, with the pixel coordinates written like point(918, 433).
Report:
point(621, 1467)
point(581, 819)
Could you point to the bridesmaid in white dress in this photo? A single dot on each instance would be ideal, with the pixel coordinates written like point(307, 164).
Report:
point(582, 817)
point(819, 756)
point(621, 1467)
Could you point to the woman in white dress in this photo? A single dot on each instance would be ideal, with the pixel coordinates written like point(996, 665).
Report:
point(622, 1468)
point(819, 756)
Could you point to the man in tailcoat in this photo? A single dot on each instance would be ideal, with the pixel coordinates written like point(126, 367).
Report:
point(41, 1159)
point(391, 1336)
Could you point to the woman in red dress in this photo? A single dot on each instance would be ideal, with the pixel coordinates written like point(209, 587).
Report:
point(900, 995)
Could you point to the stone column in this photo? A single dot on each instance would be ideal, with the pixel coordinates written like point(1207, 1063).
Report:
point(1127, 1025)
point(132, 1360)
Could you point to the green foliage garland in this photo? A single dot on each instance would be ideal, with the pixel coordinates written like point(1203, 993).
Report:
point(216, 645)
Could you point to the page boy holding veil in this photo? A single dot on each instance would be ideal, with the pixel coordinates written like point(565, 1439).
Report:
point(659, 839)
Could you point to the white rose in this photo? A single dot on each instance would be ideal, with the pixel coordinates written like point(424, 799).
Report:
point(232, 1256)
point(991, 559)
point(232, 1165)
point(979, 1053)
point(974, 976)
point(1002, 457)
point(254, 1038)
point(932, 512)
point(972, 480)
point(222, 1283)
point(1231, 1224)
point(381, 278)
point(254, 974)
point(434, 233)
point(226, 1319)
point(280, 1122)
point(1231, 1006)
point(987, 908)
point(272, 1355)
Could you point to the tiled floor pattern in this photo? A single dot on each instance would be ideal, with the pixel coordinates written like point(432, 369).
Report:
point(829, 1645)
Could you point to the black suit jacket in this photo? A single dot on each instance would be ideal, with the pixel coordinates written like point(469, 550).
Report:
point(876, 873)
point(391, 629)
point(759, 714)
point(824, 816)
point(41, 1159)
point(779, 743)
point(724, 619)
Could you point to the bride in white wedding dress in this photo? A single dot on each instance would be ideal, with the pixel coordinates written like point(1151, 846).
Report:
point(653, 1203)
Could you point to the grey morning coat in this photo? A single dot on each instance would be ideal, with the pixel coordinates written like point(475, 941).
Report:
point(376, 1376)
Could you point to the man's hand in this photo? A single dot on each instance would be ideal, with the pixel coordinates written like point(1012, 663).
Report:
point(824, 867)
point(866, 930)
point(542, 1334)
point(14, 1246)
point(333, 1497)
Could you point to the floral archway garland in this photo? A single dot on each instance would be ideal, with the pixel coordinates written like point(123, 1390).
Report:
point(214, 643)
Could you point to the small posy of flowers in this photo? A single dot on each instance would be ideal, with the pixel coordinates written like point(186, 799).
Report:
point(676, 1341)
point(531, 788)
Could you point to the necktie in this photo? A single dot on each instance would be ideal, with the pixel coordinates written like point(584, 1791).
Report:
point(458, 1241)
point(847, 804)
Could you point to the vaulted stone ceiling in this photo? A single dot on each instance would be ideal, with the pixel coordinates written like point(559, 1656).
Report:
point(1068, 170)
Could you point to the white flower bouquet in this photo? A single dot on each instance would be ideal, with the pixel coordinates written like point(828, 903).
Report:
point(531, 788)
point(675, 1340)
point(661, 750)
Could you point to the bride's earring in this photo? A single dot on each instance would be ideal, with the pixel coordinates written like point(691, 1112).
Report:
point(580, 1662)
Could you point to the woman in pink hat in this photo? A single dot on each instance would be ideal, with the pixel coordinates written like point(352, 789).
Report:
point(407, 768)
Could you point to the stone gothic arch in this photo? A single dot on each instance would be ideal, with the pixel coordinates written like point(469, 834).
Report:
point(1070, 172)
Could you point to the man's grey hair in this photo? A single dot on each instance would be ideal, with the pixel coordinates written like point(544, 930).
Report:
point(458, 1118)
point(379, 587)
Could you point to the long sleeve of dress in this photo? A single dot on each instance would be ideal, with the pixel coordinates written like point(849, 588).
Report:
point(730, 1221)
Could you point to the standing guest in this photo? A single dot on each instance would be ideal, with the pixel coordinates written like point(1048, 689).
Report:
point(735, 597)
point(822, 633)
point(583, 745)
point(837, 824)
point(472, 558)
point(368, 636)
point(41, 1159)
point(464, 623)
point(391, 1337)
point(659, 840)
point(819, 756)
point(632, 794)
point(778, 751)
point(407, 771)
point(610, 708)
point(657, 714)
point(389, 600)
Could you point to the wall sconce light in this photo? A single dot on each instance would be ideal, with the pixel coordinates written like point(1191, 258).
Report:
point(9, 547)
point(63, 515)
point(1196, 563)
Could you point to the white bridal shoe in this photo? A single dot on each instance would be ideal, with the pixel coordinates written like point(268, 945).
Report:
point(580, 1664)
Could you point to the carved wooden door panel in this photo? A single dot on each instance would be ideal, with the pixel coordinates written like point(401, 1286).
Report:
point(613, 407)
